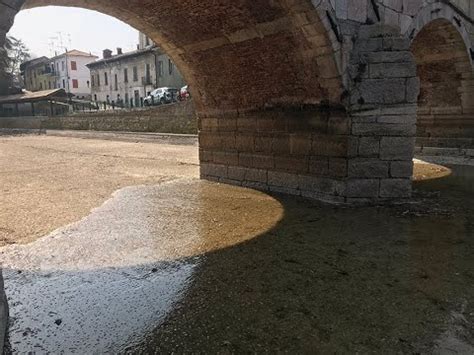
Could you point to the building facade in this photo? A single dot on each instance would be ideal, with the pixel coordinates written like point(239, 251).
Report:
point(66, 71)
point(125, 79)
point(70, 72)
point(36, 73)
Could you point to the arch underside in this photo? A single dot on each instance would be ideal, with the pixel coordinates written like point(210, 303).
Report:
point(240, 55)
point(446, 101)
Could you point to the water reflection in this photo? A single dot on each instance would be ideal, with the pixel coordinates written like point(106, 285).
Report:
point(331, 279)
point(103, 283)
point(191, 267)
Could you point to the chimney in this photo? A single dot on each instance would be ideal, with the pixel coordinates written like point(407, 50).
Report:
point(119, 51)
point(107, 53)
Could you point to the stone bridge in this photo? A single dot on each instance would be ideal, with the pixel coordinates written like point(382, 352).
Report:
point(319, 98)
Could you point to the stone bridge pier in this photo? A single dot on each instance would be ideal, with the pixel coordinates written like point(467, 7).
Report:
point(322, 99)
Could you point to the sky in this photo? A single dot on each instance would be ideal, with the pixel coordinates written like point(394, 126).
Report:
point(85, 30)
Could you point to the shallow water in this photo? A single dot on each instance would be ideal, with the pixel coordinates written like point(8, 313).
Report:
point(191, 266)
point(102, 283)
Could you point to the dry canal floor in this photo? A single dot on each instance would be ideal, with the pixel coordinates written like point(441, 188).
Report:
point(48, 182)
point(178, 265)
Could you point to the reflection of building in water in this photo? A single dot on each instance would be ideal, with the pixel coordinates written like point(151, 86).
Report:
point(127, 78)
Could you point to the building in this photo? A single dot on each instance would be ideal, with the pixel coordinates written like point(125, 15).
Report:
point(70, 72)
point(127, 78)
point(36, 73)
point(66, 71)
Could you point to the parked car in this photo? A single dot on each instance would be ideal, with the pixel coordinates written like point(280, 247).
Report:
point(161, 96)
point(184, 93)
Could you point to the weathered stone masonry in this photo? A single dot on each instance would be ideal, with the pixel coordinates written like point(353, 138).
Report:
point(314, 98)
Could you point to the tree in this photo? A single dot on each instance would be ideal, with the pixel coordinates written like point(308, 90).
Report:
point(12, 55)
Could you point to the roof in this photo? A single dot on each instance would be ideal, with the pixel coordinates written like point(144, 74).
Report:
point(33, 62)
point(76, 53)
point(115, 58)
point(28, 96)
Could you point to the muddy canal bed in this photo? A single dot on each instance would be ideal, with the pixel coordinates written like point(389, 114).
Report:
point(189, 266)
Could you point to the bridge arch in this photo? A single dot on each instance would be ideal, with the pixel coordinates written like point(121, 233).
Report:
point(441, 49)
point(236, 56)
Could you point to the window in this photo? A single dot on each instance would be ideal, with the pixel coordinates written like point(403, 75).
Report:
point(116, 82)
point(95, 97)
point(75, 84)
point(170, 66)
point(147, 41)
point(57, 67)
point(49, 85)
point(148, 74)
point(126, 98)
point(41, 86)
point(88, 83)
point(106, 79)
point(160, 68)
point(92, 80)
point(62, 66)
point(64, 84)
point(73, 65)
point(98, 80)
point(135, 74)
point(125, 75)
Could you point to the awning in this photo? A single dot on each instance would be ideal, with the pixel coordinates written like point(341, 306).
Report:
point(28, 96)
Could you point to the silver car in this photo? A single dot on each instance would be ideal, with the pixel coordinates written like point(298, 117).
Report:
point(161, 96)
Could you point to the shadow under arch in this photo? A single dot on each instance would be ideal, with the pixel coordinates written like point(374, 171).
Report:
point(446, 100)
point(374, 282)
point(236, 56)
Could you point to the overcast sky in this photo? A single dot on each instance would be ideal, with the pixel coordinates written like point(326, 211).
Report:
point(85, 30)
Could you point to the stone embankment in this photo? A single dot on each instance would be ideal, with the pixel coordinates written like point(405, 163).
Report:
point(177, 118)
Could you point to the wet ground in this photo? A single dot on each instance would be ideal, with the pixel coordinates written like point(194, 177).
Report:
point(193, 267)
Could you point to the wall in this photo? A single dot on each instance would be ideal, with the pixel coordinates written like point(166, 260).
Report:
point(179, 118)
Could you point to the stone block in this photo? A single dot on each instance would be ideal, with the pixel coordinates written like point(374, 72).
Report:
point(392, 70)
point(369, 146)
point(319, 166)
point(362, 188)
point(330, 146)
point(326, 186)
point(261, 161)
point(397, 148)
point(205, 155)
point(401, 169)
point(280, 179)
point(236, 173)
point(225, 158)
point(383, 129)
point(256, 175)
point(395, 188)
point(215, 170)
point(337, 167)
point(368, 168)
point(300, 143)
point(255, 185)
point(296, 165)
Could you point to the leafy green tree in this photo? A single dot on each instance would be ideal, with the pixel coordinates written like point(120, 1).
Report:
point(13, 53)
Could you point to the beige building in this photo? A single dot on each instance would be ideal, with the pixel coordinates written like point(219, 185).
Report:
point(36, 73)
point(125, 79)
